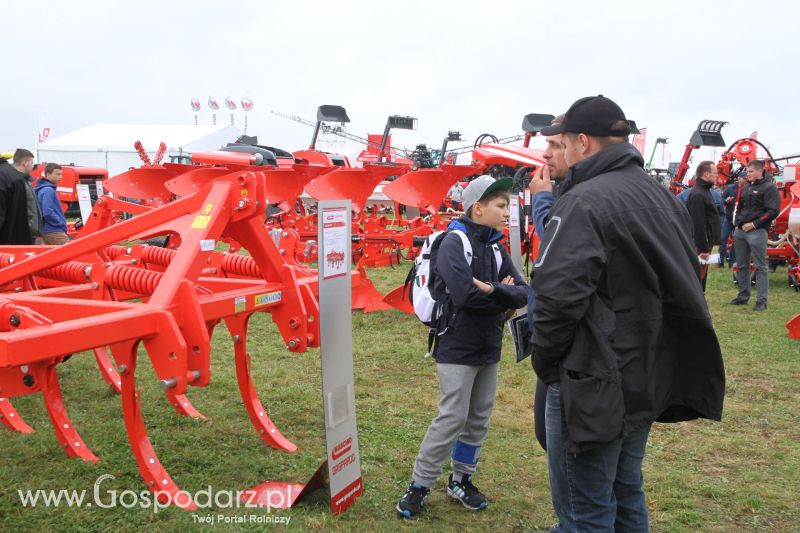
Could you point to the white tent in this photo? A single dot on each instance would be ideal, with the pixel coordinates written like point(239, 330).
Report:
point(111, 145)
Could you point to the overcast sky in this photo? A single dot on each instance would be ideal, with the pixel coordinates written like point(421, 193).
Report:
point(467, 66)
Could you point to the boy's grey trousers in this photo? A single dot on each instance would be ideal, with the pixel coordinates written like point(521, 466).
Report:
point(465, 404)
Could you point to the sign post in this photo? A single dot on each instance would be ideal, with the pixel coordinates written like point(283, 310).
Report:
point(336, 346)
point(342, 460)
point(513, 232)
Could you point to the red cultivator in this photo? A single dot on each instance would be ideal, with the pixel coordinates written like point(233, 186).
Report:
point(92, 295)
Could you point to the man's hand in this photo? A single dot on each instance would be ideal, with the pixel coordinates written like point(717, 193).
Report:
point(541, 181)
point(484, 287)
point(748, 227)
point(703, 257)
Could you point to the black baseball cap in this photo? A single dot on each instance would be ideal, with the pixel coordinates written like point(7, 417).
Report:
point(592, 115)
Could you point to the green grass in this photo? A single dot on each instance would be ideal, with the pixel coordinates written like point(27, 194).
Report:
point(742, 474)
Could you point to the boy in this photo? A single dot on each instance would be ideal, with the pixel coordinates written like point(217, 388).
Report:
point(54, 229)
point(468, 341)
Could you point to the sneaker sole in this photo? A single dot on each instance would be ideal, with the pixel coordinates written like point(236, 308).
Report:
point(455, 497)
point(405, 514)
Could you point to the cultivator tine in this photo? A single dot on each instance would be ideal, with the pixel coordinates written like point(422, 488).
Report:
point(65, 432)
point(11, 419)
point(263, 425)
point(183, 406)
point(107, 370)
point(151, 469)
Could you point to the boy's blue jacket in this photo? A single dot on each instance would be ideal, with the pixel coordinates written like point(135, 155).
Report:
point(54, 220)
point(471, 331)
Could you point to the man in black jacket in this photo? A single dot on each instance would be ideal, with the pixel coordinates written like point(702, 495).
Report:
point(758, 206)
point(705, 215)
point(14, 228)
point(622, 332)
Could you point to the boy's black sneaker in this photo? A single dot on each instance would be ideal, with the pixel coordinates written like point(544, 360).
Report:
point(413, 501)
point(466, 493)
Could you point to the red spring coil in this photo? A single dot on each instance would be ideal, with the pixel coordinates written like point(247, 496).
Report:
point(136, 280)
point(115, 251)
point(236, 264)
point(241, 265)
point(5, 260)
point(71, 272)
point(157, 255)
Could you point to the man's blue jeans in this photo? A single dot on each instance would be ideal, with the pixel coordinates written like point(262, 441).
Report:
point(599, 490)
point(724, 253)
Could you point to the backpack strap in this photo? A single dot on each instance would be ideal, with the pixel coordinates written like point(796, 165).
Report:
point(467, 245)
point(498, 258)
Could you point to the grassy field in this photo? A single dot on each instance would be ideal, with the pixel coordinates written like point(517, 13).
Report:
point(739, 475)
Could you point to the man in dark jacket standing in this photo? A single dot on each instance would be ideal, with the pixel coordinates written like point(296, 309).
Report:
point(14, 228)
point(705, 215)
point(759, 203)
point(622, 332)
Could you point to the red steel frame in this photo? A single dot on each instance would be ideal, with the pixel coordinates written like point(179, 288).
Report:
point(72, 299)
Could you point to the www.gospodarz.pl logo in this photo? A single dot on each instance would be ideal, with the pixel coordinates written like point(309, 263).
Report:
point(206, 498)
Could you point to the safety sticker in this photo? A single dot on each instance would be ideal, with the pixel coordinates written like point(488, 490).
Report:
point(207, 209)
point(239, 304)
point(269, 298)
point(207, 245)
point(201, 222)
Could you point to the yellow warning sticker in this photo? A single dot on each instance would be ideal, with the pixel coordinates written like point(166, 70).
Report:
point(244, 192)
point(207, 209)
point(201, 222)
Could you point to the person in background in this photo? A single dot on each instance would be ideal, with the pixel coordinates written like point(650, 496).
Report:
point(14, 227)
point(454, 194)
point(759, 203)
point(729, 197)
point(54, 227)
point(705, 215)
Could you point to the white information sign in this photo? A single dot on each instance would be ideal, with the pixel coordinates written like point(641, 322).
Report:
point(513, 207)
point(335, 243)
point(84, 201)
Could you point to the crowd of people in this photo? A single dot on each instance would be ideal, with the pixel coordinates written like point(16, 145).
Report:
point(620, 330)
point(30, 215)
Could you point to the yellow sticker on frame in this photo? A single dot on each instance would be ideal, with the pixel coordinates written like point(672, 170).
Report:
point(201, 222)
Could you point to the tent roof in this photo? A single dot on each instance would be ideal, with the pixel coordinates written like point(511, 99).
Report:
point(121, 137)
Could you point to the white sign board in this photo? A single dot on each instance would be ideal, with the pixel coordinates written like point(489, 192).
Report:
point(336, 347)
point(515, 246)
point(334, 224)
point(84, 201)
point(99, 186)
point(513, 208)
